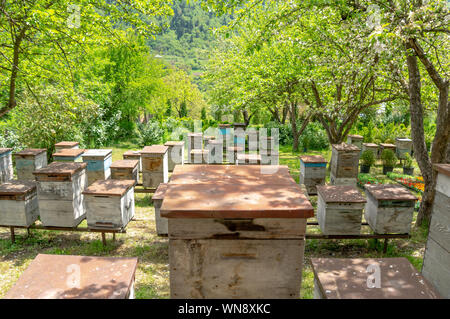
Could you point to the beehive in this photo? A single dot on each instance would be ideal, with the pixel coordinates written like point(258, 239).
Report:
point(387, 146)
point(29, 160)
point(60, 189)
point(232, 153)
point(313, 170)
point(253, 139)
point(99, 162)
point(239, 134)
point(215, 149)
point(249, 159)
point(175, 153)
point(356, 140)
point(207, 139)
point(109, 203)
point(389, 208)
point(371, 147)
point(6, 166)
point(344, 164)
point(134, 155)
point(195, 142)
point(155, 165)
point(270, 159)
point(68, 155)
point(125, 170)
point(339, 210)
point(437, 253)
point(64, 145)
point(225, 131)
point(267, 145)
point(199, 157)
point(162, 228)
point(403, 146)
point(18, 203)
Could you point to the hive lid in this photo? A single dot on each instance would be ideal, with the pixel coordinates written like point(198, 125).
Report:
point(313, 159)
point(403, 139)
point(47, 277)
point(173, 143)
point(31, 152)
point(125, 164)
point(442, 168)
point(340, 194)
point(5, 150)
point(370, 144)
point(67, 144)
point(224, 125)
point(347, 278)
point(97, 153)
point(356, 137)
point(61, 169)
point(390, 192)
point(235, 201)
point(388, 145)
point(132, 153)
point(160, 191)
point(17, 188)
point(69, 152)
point(155, 149)
point(346, 147)
point(109, 187)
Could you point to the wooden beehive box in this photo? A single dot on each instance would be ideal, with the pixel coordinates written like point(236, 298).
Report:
point(68, 155)
point(436, 263)
point(199, 157)
point(371, 147)
point(134, 155)
point(344, 164)
point(339, 210)
point(155, 166)
point(356, 140)
point(63, 145)
point(249, 159)
point(225, 131)
point(60, 187)
point(239, 134)
point(387, 146)
point(29, 160)
point(267, 145)
point(403, 146)
point(162, 228)
point(270, 159)
point(18, 203)
point(125, 170)
point(313, 170)
point(389, 208)
point(215, 149)
point(195, 142)
point(6, 166)
point(253, 139)
point(109, 203)
point(175, 153)
point(99, 162)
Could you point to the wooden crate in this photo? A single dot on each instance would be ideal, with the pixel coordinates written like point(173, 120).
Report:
point(215, 149)
point(109, 203)
point(371, 147)
point(356, 140)
point(389, 208)
point(175, 154)
point(18, 203)
point(344, 162)
point(134, 155)
point(437, 252)
point(66, 145)
point(125, 170)
point(29, 160)
point(248, 159)
point(199, 157)
point(60, 189)
point(69, 155)
point(349, 278)
point(339, 210)
point(403, 146)
point(99, 162)
point(162, 226)
point(313, 170)
point(155, 165)
point(195, 142)
point(6, 166)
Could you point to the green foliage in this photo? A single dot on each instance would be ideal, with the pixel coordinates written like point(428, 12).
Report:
point(314, 137)
point(368, 158)
point(407, 161)
point(284, 132)
point(150, 133)
point(388, 157)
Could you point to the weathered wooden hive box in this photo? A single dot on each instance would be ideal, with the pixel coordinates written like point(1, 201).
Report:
point(253, 139)
point(68, 155)
point(389, 208)
point(199, 157)
point(125, 170)
point(6, 165)
point(175, 153)
point(225, 131)
point(339, 210)
point(239, 134)
point(270, 159)
point(215, 148)
point(134, 155)
point(109, 203)
point(369, 278)
point(267, 145)
point(162, 226)
point(195, 142)
point(248, 159)
point(155, 165)
point(344, 164)
point(313, 170)
point(18, 203)
point(436, 263)
point(403, 146)
point(371, 147)
point(387, 146)
point(66, 144)
point(356, 140)
point(29, 160)
point(60, 189)
point(99, 162)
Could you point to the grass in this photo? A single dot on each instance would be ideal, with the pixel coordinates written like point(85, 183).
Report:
point(141, 241)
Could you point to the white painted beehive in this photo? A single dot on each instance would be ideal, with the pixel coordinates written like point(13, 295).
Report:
point(215, 149)
point(6, 166)
point(313, 170)
point(155, 166)
point(29, 160)
point(18, 203)
point(175, 153)
point(162, 228)
point(99, 162)
point(66, 145)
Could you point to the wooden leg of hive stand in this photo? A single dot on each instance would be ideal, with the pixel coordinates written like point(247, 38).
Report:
point(13, 235)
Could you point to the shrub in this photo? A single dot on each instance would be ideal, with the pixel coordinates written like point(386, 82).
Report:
point(150, 133)
point(314, 137)
point(368, 158)
point(388, 157)
point(408, 161)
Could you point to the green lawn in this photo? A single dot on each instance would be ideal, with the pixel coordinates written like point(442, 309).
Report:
point(152, 276)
